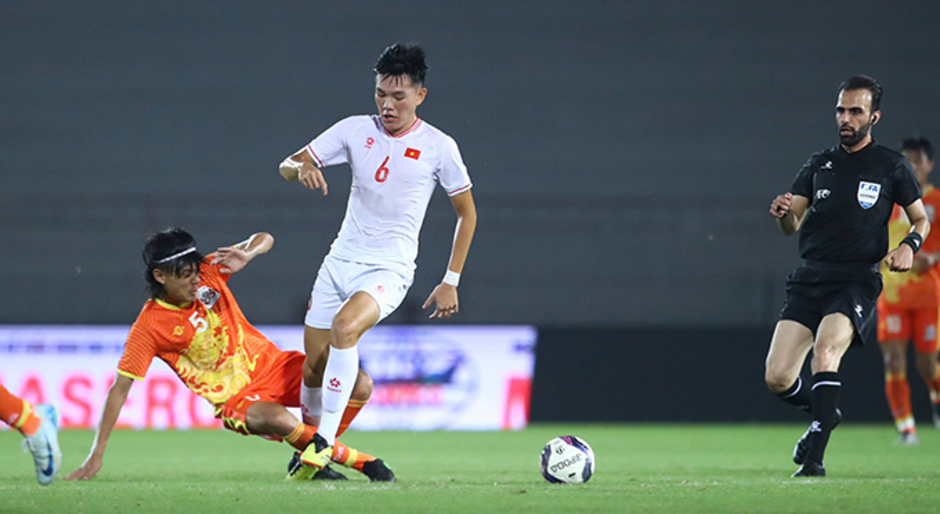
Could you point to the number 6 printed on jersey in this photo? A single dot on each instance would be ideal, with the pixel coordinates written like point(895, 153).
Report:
point(381, 174)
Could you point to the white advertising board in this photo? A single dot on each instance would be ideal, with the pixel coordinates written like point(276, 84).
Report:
point(426, 378)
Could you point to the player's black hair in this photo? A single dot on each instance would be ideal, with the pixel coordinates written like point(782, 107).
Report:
point(403, 59)
point(165, 244)
point(864, 82)
point(918, 143)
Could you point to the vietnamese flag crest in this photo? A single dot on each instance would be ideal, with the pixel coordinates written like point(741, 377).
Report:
point(412, 153)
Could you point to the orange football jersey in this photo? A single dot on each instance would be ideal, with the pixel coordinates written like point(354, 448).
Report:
point(211, 346)
point(912, 290)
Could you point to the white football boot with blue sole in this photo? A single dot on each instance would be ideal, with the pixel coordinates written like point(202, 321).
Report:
point(44, 444)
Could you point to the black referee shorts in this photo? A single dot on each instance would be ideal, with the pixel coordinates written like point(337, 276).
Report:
point(816, 290)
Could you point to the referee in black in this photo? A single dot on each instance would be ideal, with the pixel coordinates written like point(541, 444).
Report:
point(840, 202)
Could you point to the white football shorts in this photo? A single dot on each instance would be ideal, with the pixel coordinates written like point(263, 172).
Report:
point(339, 279)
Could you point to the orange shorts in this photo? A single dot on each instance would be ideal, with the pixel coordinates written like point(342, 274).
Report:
point(898, 323)
point(281, 385)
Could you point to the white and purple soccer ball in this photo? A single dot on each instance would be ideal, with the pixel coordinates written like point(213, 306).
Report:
point(567, 460)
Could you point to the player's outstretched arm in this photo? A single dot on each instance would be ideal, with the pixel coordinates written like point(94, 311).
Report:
point(234, 258)
point(902, 257)
point(444, 295)
point(789, 211)
point(300, 167)
point(117, 395)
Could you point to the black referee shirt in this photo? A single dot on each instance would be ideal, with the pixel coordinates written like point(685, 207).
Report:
point(851, 196)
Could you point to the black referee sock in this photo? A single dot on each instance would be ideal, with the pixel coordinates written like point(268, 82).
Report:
point(798, 395)
point(826, 389)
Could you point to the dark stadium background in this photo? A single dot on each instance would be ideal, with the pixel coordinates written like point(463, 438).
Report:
point(624, 156)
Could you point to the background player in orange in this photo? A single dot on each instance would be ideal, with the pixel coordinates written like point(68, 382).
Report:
point(909, 306)
point(193, 323)
point(40, 428)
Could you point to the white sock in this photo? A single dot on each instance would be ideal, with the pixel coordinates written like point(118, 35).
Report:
point(311, 398)
point(339, 378)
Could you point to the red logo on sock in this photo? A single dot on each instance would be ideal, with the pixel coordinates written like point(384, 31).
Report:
point(334, 384)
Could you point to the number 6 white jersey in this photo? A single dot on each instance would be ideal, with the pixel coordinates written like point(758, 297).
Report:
point(393, 178)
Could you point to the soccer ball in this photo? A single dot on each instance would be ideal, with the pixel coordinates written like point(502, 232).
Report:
point(567, 460)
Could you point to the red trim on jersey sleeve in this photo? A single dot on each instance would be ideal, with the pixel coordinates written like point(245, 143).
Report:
point(459, 190)
point(316, 158)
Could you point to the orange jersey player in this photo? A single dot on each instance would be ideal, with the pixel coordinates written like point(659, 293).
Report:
point(193, 323)
point(909, 306)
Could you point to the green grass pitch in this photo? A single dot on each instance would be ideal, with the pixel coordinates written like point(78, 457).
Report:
point(640, 468)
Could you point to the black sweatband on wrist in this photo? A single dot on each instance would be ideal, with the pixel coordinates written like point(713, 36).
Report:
point(914, 240)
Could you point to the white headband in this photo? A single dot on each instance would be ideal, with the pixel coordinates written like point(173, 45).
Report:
point(189, 250)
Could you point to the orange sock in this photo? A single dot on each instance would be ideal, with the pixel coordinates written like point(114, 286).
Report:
point(899, 399)
point(349, 457)
point(18, 413)
point(352, 410)
point(343, 454)
point(301, 436)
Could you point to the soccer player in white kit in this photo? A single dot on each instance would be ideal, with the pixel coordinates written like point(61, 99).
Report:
point(396, 160)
